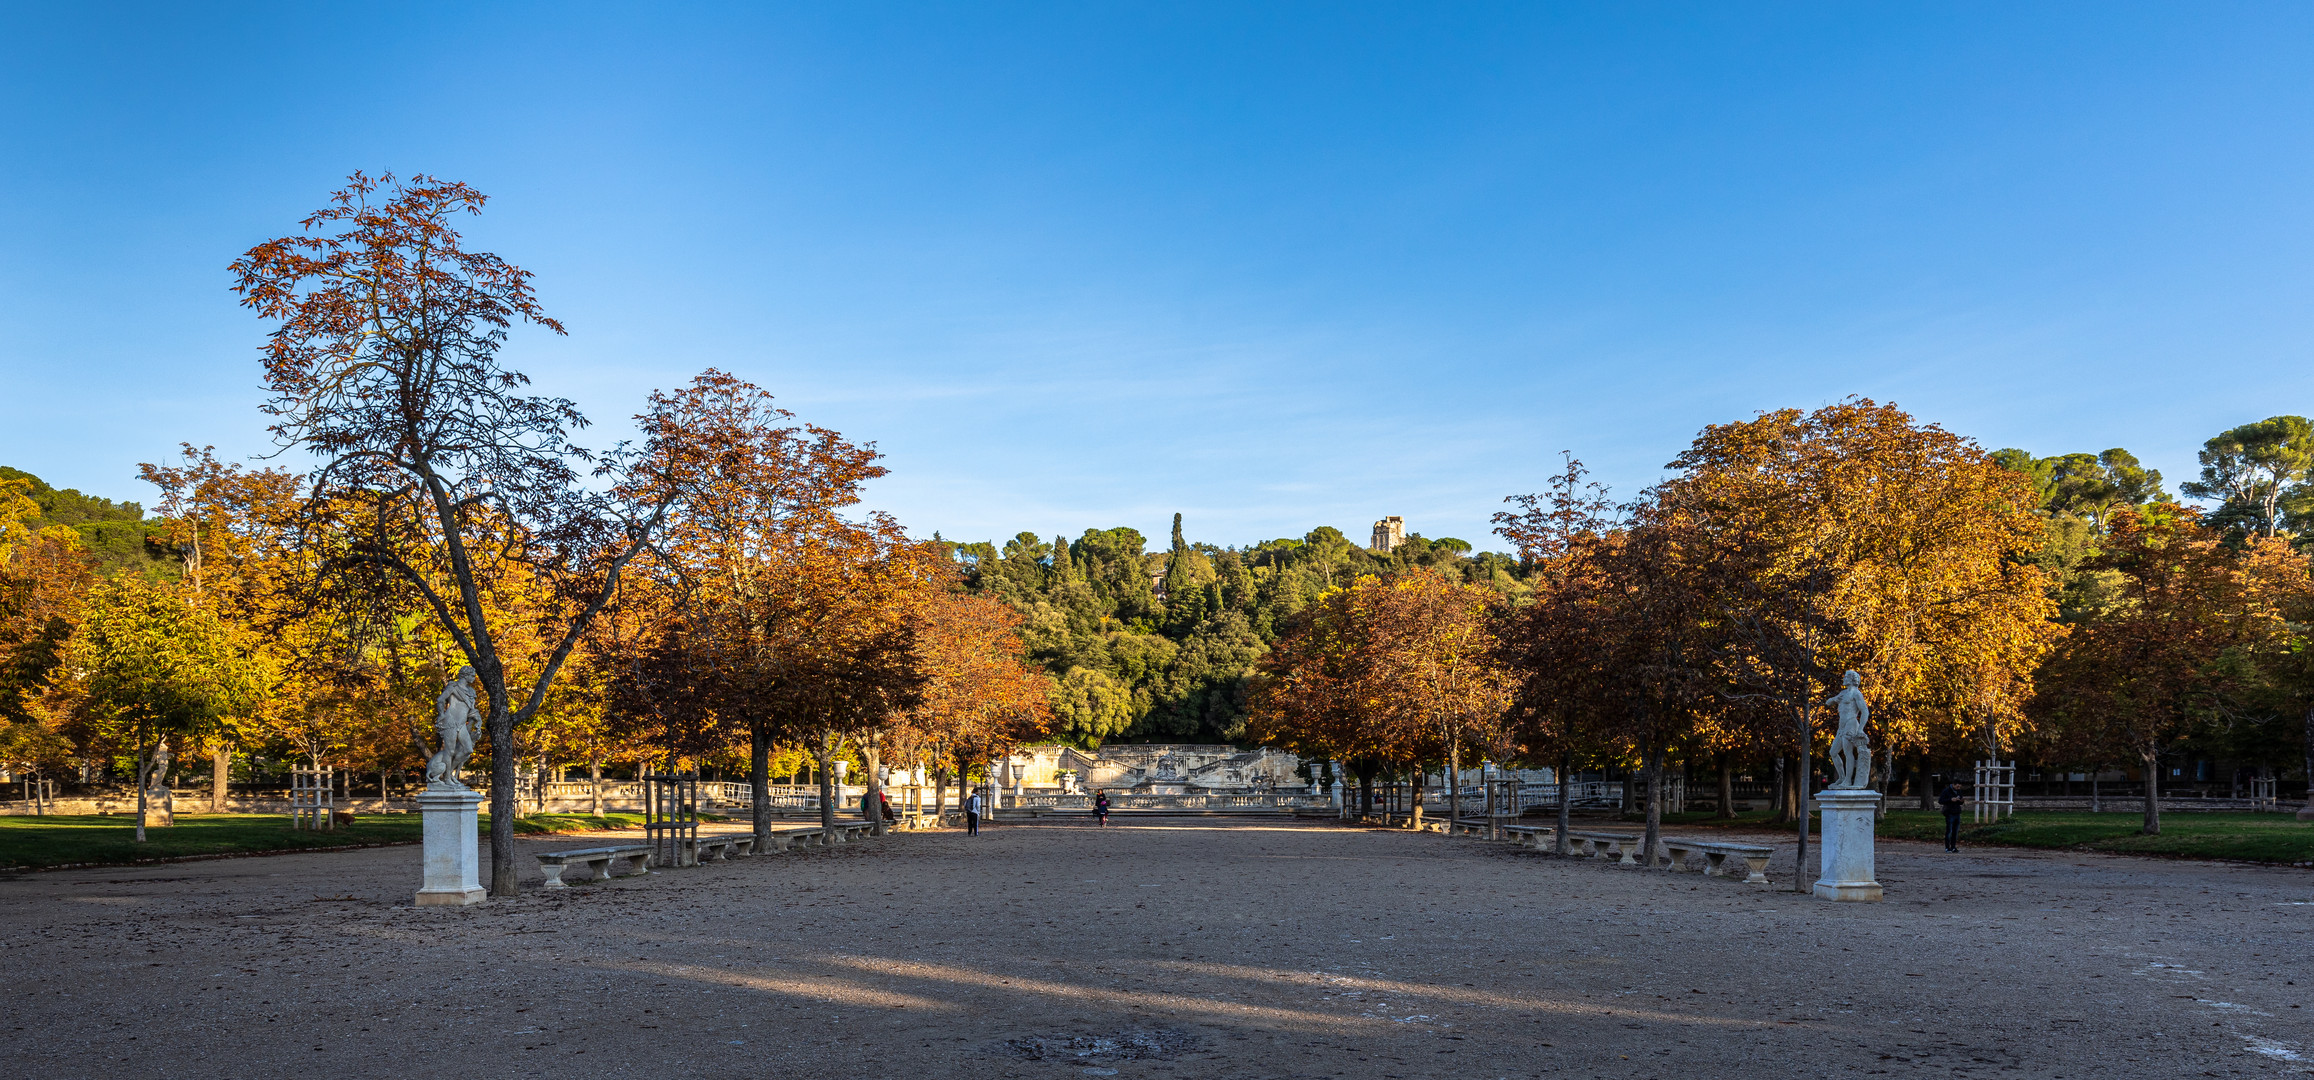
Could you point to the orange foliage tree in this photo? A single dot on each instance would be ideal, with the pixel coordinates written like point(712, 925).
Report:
point(383, 363)
point(2133, 681)
point(1400, 670)
point(981, 697)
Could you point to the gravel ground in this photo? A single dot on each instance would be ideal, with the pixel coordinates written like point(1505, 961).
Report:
point(1184, 947)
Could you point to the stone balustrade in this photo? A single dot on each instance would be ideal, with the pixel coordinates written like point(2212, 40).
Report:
point(1128, 801)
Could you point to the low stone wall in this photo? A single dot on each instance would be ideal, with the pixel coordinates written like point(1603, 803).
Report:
point(199, 804)
point(127, 804)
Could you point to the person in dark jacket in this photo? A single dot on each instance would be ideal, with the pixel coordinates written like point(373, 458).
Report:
point(1101, 807)
point(1950, 799)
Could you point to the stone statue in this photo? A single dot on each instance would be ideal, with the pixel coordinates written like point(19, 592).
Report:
point(1851, 758)
point(457, 721)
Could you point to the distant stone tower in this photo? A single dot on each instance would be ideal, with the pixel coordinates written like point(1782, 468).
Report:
point(1388, 534)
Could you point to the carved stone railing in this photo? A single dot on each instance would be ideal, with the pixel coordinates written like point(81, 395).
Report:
point(1196, 801)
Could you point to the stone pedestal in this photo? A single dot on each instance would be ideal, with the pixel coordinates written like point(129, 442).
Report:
point(453, 851)
point(1846, 869)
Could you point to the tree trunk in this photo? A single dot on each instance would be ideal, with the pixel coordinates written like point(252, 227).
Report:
point(595, 783)
point(1453, 787)
point(1652, 840)
point(502, 807)
point(1366, 791)
point(2152, 792)
point(1781, 807)
point(220, 776)
point(823, 763)
point(1800, 799)
point(940, 795)
point(2096, 805)
point(759, 784)
point(144, 757)
point(1566, 781)
point(1726, 788)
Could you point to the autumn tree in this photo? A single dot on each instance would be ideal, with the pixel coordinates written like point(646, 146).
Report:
point(1432, 667)
point(1384, 671)
point(384, 364)
point(1853, 538)
point(1561, 687)
point(980, 697)
point(148, 667)
point(1305, 698)
point(227, 525)
point(2148, 673)
point(761, 488)
point(43, 574)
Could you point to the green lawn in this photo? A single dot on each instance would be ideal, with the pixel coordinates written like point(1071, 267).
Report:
point(2273, 838)
point(34, 842)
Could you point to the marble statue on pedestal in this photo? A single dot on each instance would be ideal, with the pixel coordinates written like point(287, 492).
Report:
point(457, 721)
point(1849, 805)
point(1851, 757)
point(453, 870)
point(160, 802)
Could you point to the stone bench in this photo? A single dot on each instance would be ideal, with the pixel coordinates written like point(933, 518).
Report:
point(596, 861)
point(1584, 844)
point(1624, 848)
point(812, 836)
point(721, 848)
point(1755, 857)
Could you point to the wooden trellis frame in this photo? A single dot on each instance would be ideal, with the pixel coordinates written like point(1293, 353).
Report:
point(313, 798)
point(1996, 791)
point(671, 818)
point(1502, 805)
point(41, 794)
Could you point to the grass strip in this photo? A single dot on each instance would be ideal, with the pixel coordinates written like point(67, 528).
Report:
point(110, 839)
point(2237, 836)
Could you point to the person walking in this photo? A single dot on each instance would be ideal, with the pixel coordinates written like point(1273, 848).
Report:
point(1950, 799)
point(972, 815)
point(1101, 808)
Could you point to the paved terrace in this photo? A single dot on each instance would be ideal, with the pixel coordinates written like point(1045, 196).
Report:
point(1190, 948)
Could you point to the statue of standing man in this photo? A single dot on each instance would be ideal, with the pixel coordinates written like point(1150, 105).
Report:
point(456, 720)
point(1851, 756)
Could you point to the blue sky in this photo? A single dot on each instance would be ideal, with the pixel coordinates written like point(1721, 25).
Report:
point(1272, 266)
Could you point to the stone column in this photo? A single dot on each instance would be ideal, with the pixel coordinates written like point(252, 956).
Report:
point(1846, 846)
point(453, 857)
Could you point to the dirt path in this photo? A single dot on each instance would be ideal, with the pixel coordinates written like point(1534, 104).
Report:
point(1182, 948)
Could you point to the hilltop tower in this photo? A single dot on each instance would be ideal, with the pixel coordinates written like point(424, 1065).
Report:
point(1388, 534)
